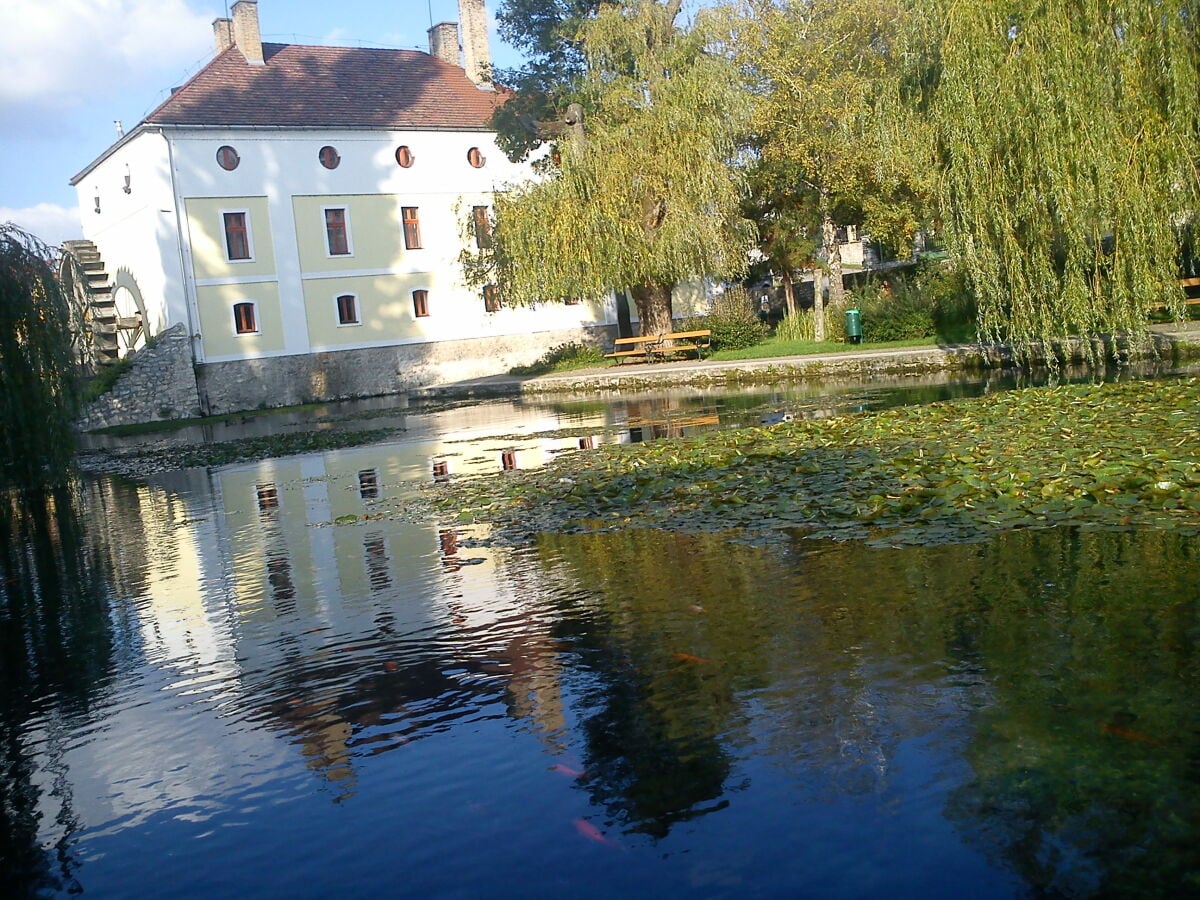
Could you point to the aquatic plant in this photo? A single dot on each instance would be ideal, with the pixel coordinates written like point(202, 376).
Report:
point(1097, 456)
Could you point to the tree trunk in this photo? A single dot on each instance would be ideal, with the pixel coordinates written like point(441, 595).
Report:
point(789, 295)
point(833, 256)
point(654, 307)
point(818, 305)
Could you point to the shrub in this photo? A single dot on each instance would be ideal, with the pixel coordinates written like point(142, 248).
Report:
point(930, 300)
point(106, 376)
point(733, 322)
point(563, 358)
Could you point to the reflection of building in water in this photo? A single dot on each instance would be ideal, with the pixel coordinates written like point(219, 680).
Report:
point(334, 565)
point(166, 542)
point(665, 417)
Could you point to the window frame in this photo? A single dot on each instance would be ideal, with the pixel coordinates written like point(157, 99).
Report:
point(405, 157)
point(346, 233)
point(228, 153)
point(492, 301)
point(475, 158)
point(481, 224)
point(356, 308)
point(246, 230)
point(329, 157)
point(255, 321)
point(420, 299)
point(411, 227)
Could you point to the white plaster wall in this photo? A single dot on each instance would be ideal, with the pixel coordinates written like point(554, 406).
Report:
point(137, 230)
point(284, 163)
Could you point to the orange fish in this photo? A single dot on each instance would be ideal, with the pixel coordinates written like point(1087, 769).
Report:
point(687, 657)
point(567, 770)
point(590, 831)
point(1129, 734)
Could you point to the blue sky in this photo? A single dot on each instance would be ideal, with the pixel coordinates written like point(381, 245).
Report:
point(69, 68)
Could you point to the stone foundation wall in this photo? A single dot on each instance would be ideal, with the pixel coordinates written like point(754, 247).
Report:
point(161, 384)
point(319, 377)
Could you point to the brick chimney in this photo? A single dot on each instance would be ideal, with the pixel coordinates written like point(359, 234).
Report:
point(443, 42)
point(477, 57)
point(246, 36)
point(223, 33)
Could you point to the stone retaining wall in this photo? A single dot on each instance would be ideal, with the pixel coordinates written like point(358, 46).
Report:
point(320, 377)
point(161, 384)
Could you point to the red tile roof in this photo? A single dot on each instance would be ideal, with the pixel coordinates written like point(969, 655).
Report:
point(331, 87)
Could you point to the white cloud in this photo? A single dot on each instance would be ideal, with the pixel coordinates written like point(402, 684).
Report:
point(50, 223)
point(64, 54)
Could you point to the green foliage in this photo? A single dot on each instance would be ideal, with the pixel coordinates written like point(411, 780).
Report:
point(549, 77)
point(644, 195)
point(1065, 134)
point(733, 322)
point(801, 326)
point(928, 300)
point(564, 358)
point(829, 145)
point(39, 378)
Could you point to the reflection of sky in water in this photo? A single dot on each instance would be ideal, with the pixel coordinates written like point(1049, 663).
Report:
point(319, 695)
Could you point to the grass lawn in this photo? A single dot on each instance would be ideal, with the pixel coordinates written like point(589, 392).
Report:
point(774, 347)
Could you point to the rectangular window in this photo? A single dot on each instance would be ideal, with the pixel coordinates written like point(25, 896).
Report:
point(244, 319)
point(420, 303)
point(237, 236)
point(491, 297)
point(483, 227)
point(336, 232)
point(412, 227)
point(347, 310)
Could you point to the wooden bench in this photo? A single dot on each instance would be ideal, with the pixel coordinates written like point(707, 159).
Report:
point(1188, 300)
point(649, 347)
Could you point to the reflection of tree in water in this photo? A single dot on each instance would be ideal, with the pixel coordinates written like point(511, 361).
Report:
point(673, 636)
point(1062, 667)
point(56, 652)
point(1087, 764)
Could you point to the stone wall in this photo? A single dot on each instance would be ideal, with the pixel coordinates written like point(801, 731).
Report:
point(319, 377)
point(161, 384)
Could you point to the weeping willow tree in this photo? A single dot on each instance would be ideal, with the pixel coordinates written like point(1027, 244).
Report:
point(1066, 139)
point(638, 190)
point(39, 375)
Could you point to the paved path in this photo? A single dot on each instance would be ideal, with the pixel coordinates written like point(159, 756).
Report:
point(849, 363)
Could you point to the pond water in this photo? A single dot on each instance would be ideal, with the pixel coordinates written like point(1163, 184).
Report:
point(268, 680)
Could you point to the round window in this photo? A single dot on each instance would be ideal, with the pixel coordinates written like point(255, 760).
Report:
point(475, 158)
point(329, 157)
point(404, 157)
point(227, 158)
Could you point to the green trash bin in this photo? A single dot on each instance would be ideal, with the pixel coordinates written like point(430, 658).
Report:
point(854, 326)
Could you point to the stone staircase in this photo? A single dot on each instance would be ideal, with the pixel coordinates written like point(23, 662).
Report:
point(102, 307)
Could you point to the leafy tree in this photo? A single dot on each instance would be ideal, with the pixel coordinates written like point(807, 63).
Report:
point(829, 149)
point(39, 384)
point(641, 191)
point(1066, 135)
point(546, 32)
